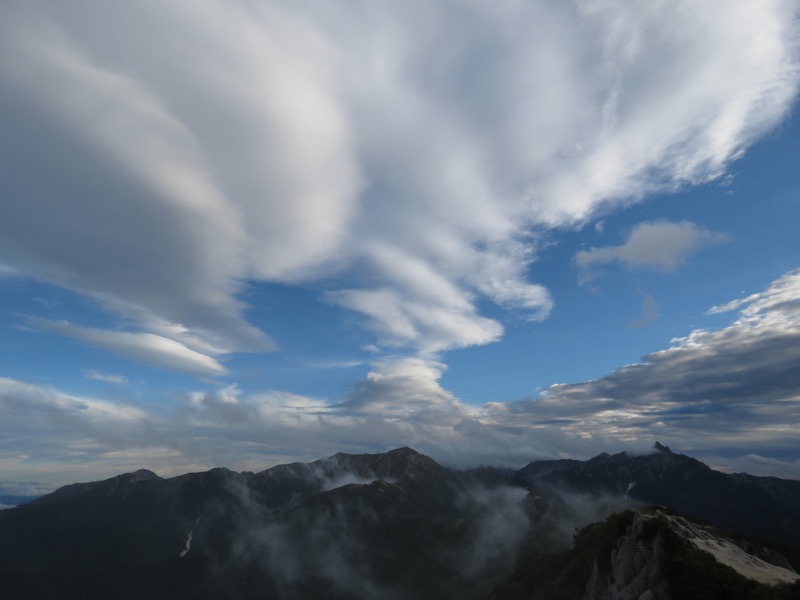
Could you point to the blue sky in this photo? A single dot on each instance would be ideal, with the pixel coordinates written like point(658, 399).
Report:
point(243, 233)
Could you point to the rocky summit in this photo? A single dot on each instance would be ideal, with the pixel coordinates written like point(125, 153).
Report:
point(399, 525)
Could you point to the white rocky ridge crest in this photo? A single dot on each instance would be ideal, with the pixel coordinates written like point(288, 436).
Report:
point(636, 572)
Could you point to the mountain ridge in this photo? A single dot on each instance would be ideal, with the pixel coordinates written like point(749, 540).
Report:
point(386, 525)
point(732, 501)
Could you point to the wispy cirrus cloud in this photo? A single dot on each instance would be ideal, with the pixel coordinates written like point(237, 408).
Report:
point(105, 377)
point(164, 156)
point(147, 348)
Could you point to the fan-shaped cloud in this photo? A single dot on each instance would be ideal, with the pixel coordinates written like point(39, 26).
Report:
point(158, 157)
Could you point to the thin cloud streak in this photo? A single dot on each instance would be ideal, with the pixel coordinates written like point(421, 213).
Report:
point(147, 348)
point(105, 377)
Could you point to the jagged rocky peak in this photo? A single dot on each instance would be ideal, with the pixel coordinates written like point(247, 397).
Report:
point(661, 448)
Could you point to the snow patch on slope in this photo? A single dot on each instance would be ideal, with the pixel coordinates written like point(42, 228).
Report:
point(188, 545)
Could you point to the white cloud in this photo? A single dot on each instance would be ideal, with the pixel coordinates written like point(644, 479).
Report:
point(147, 348)
point(660, 245)
point(399, 321)
point(163, 155)
point(22, 488)
point(105, 377)
point(736, 388)
point(782, 298)
point(172, 207)
point(336, 364)
point(730, 397)
point(407, 389)
point(28, 399)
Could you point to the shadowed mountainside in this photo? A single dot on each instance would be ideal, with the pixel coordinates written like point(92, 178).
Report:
point(388, 525)
point(743, 504)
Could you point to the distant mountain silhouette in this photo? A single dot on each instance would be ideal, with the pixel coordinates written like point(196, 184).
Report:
point(743, 504)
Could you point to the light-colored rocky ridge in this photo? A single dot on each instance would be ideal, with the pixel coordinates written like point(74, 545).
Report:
point(729, 553)
point(636, 572)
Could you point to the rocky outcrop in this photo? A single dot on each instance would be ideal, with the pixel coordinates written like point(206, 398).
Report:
point(759, 564)
point(635, 567)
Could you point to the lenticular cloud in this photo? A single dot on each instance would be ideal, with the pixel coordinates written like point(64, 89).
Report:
point(410, 151)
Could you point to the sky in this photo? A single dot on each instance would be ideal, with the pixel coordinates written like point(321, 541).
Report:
point(247, 232)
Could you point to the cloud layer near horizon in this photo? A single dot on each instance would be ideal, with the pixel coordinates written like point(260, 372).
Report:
point(729, 396)
point(158, 157)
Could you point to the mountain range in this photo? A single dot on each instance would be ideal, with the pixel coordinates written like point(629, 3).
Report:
point(743, 504)
point(399, 525)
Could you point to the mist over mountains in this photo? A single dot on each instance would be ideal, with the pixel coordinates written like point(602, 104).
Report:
point(389, 525)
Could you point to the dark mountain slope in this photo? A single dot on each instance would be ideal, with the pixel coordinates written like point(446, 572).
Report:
point(391, 525)
point(132, 519)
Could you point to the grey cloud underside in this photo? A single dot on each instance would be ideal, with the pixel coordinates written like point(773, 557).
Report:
point(158, 158)
point(732, 395)
point(738, 386)
point(659, 245)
